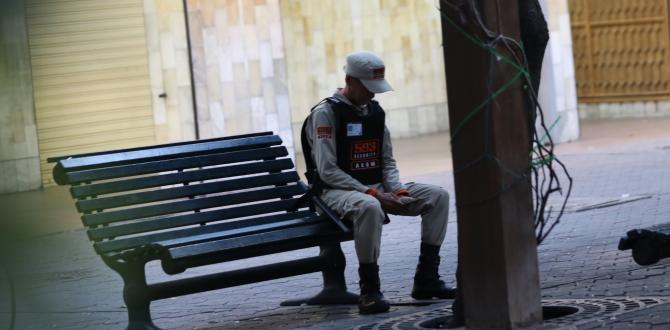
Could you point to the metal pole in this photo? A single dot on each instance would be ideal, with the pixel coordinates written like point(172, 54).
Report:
point(190, 68)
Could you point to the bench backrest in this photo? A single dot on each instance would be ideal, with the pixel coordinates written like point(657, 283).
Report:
point(184, 192)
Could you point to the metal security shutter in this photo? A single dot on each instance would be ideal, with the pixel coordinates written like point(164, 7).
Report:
point(90, 76)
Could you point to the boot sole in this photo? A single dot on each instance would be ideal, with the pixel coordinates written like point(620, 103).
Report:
point(374, 309)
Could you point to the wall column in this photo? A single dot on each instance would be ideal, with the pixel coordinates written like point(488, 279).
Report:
point(558, 93)
point(19, 156)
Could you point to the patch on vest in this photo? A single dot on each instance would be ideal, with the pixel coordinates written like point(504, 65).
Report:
point(354, 129)
point(324, 132)
point(365, 154)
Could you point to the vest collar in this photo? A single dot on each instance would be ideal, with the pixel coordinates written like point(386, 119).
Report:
point(361, 111)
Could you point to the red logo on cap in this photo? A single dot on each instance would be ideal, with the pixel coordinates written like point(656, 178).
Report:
point(378, 73)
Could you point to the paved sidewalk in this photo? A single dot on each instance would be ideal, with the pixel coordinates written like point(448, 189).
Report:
point(62, 284)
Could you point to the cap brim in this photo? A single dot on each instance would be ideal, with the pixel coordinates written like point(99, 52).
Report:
point(377, 85)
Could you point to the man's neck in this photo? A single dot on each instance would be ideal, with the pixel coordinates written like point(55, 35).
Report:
point(343, 92)
point(358, 109)
point(347, 93)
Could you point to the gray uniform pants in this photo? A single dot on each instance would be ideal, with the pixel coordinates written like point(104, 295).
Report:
point(366, 214)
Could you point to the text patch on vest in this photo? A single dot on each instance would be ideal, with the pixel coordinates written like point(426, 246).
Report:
point(365, 154)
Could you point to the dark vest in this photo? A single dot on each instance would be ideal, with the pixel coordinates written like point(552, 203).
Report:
point(359, 141)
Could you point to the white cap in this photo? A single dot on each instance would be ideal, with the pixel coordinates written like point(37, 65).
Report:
point(369, 68)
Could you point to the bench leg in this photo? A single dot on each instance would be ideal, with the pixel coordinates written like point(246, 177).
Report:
point(135, 295)
point(334, 286)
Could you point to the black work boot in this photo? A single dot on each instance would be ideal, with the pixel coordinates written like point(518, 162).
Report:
point(427, 283)
point(371, 300)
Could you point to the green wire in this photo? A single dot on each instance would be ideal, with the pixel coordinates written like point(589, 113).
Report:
point(542, 161)
point(546, 134)
point(551, 127)
point(520, 71)
point(490, 98)
point(483, 105)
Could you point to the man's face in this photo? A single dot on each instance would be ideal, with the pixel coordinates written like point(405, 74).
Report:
point(359, 94)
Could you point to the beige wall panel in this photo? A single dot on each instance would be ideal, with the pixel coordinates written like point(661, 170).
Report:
point(88, 119)
point(101, 47)
point(102, 37)
point(63, 101)
point(73, 13)
point(84, 78)
point(239, 67)
point(169, 70)
point(71, 58)
point(57, 7)
point(74, 27)
point(93, 66)
point(90, 87)
point(90, 68)
point(406, 34)
point(124, 103)
point(65, 134)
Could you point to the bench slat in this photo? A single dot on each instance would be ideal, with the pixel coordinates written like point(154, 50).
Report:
point(174, 164)
point(186, 191)
point(280, 246)
point(191, 205)
point(248, 243)
point(210, 232)
point(58, 158)
point(167, 152)
point(182, 177)
point(191, 219)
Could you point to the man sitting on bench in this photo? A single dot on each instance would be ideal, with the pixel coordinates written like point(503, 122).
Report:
point(349, 160)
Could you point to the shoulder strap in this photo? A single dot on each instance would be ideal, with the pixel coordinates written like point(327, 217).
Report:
point(307, 154)
point(310, 173)
point(330, 99)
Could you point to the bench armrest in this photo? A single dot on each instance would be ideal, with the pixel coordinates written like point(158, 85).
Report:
point(318, 202)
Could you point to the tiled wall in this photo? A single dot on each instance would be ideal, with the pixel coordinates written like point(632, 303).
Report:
point(406, 34)
point(169, 70)
point(19, 160)
point(240, 67)
point(638, 109)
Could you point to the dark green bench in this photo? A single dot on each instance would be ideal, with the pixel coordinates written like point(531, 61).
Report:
point(198, 203)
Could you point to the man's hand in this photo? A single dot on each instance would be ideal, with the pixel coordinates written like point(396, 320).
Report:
point(391, 203)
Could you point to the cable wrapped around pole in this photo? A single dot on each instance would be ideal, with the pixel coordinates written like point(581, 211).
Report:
point(526, 56)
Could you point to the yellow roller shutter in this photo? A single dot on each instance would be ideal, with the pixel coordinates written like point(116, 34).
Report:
point(90, 76)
